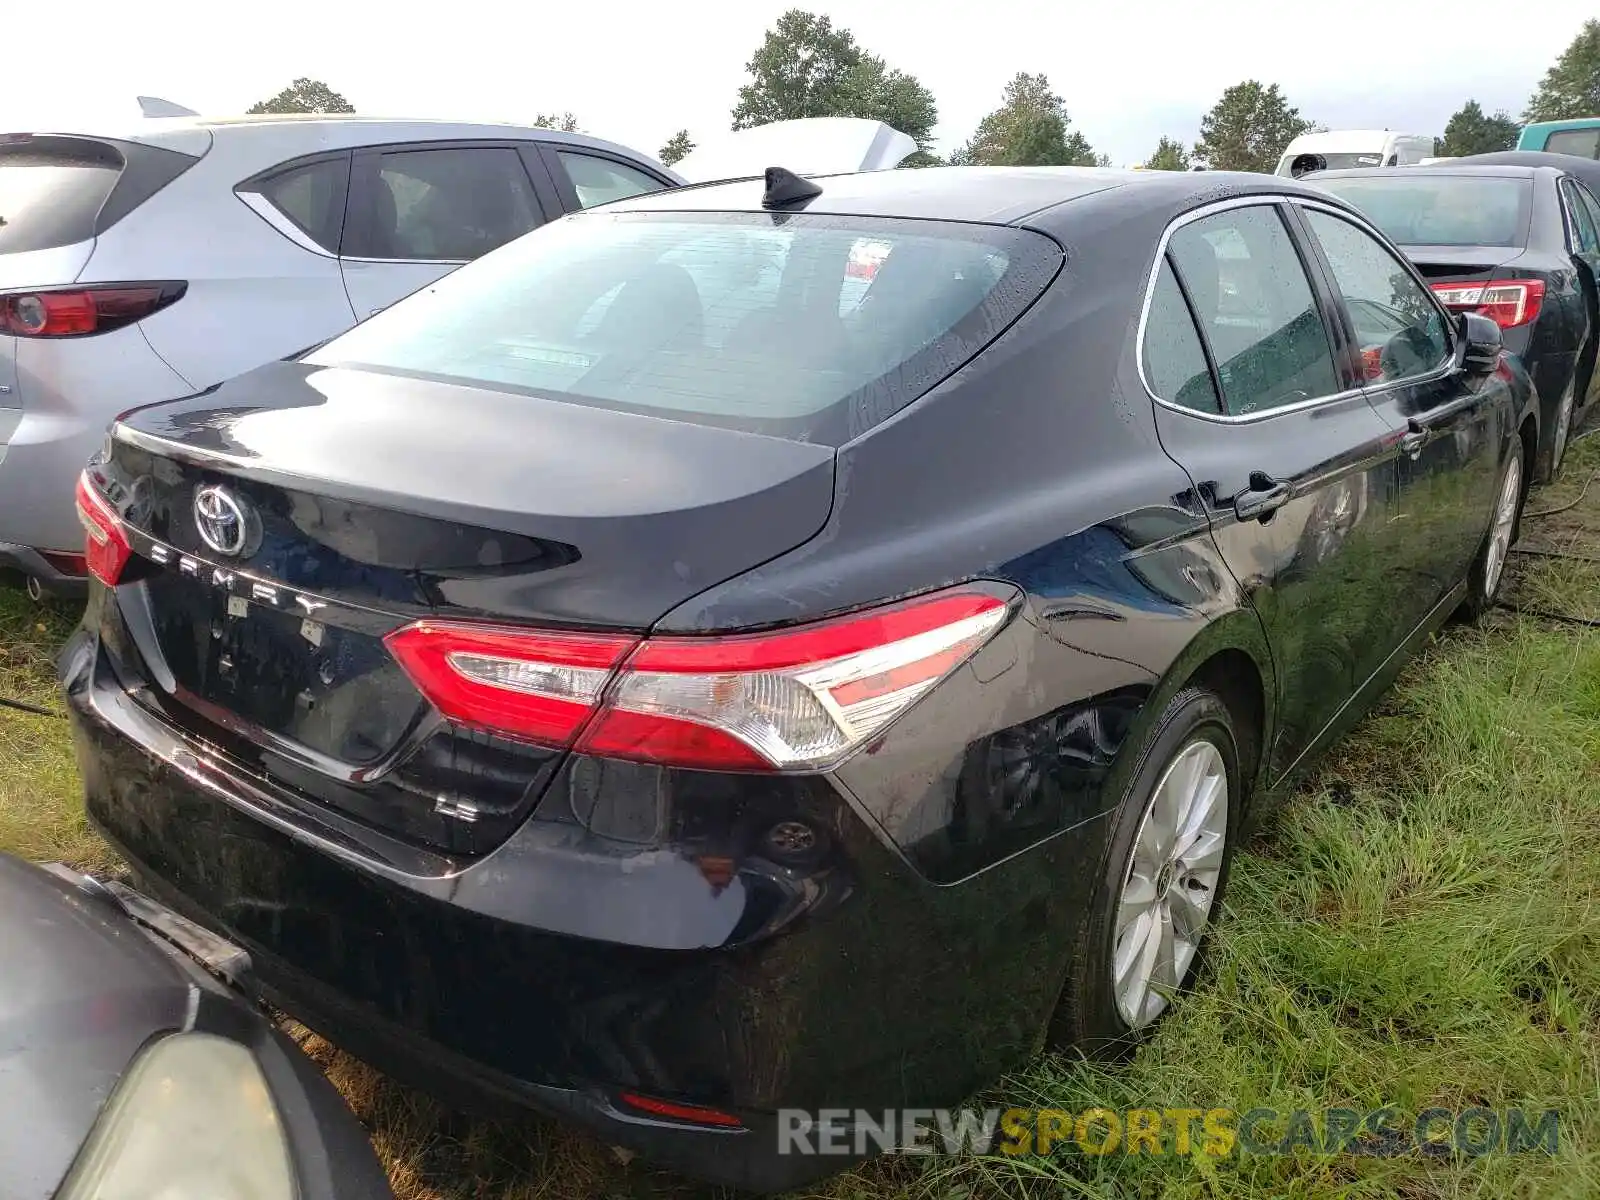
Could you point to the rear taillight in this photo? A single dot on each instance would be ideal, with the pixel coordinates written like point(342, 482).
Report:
point(105, 549)
point(82, 311)
point(1506, 302)
point(796, 699)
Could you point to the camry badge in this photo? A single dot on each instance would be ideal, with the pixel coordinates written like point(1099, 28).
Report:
point(221, 520)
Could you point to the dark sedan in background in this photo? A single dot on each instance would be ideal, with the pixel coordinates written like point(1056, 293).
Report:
point(657, 676)
point(1518, 242)
point(128, 1071)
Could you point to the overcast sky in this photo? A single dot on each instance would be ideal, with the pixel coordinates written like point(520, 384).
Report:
point(635, 72)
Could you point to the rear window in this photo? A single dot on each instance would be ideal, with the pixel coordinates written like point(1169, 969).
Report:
point(51, 191)
point(1585, 143)
point(1431, 209)
point(807, 327)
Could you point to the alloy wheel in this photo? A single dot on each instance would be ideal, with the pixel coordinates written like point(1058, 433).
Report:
point(1171, 883)
point(1505, 522)
point(1558, 450)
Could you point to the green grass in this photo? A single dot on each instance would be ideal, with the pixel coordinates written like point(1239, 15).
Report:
point(1421, 927)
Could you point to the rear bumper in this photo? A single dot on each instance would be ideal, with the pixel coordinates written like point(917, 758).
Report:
point(34, 565)
point(561, 969)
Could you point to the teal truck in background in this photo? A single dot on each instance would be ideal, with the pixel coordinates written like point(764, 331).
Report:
point(1580, 136)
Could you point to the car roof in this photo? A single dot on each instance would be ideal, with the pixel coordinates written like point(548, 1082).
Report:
point(987, 195)
point(1451, 169)
point(297, 133)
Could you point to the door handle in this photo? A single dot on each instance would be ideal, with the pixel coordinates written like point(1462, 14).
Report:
point(1264, 497)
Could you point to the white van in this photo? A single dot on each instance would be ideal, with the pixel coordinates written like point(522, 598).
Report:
point(1341, 149)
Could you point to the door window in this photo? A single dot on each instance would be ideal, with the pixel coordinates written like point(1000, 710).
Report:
point(601, 180)
point(1585, 240)
point(1400, 330)
point(1174, 360)
point(1588, 202)
point(452, 204)
point(1255, 308)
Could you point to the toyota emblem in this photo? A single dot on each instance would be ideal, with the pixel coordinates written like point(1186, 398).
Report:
point(221, 520)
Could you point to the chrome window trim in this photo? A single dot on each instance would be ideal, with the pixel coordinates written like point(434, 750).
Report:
point(1257, 200)
point(280, 222)
point(1274, 200)
point(435, 262)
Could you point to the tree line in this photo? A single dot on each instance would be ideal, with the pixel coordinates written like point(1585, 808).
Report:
point(807, 67)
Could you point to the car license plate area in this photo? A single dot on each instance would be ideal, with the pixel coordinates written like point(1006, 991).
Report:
point(332, 689)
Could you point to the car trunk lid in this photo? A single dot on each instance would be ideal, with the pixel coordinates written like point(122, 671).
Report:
point(364, 501)
point(1463, 263)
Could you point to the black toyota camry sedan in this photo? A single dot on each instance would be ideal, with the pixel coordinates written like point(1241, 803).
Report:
point(668, 675)
point(1517, 241)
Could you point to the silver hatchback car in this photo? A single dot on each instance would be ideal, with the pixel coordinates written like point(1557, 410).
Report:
point(149, 264)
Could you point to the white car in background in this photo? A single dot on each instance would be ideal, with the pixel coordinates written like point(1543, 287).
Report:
point(1342, 149)
point(144, 264)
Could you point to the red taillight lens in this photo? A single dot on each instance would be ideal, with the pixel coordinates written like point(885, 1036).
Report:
point(1506, 302)
point(105, 550)
point(76, 312)
point(694, 1114)
point(796, 699)
point(537, 686)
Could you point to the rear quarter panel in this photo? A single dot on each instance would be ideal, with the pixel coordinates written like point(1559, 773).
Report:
point(253, 296)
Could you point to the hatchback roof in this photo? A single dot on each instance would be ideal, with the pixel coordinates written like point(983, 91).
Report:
point(320, 130)
point(989, 195)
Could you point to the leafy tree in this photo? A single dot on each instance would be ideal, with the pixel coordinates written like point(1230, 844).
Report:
point(1248, 129)
point(304, 96)
point(805, 67)
point(873, 90)
point(1030, 128)
point(1571, 88)
point(1472, 131)
point(1170, 155)
point(564, 121)
point(677, 146)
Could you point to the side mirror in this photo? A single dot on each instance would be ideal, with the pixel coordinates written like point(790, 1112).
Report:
point(1478, 344)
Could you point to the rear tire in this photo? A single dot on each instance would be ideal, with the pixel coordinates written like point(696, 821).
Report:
point(1164, 875)
point(1561, 438)
point(1488, 571)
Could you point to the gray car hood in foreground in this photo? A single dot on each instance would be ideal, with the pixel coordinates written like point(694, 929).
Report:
point(81, 990)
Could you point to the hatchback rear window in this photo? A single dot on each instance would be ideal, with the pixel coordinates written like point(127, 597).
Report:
point(51, 190)
point(1429, 209)
point(801, 326)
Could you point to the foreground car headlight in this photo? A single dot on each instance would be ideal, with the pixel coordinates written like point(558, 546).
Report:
point(193, 1119)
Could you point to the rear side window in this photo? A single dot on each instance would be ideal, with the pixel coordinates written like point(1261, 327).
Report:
point(51, 191)
point(1255, 308)
point(601, 180)
point(1585, 239)
point(1174, 360)
point(1434, 209)
point(1585, 143)
point(451, 204)
point(803, 326)
point(312, 196)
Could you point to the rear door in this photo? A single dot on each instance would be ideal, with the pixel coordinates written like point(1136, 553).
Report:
point(1440, 486)
point(1583, 213)
point(1284, 450)
point(417, 212)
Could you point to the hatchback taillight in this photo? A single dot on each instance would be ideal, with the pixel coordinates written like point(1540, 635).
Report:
point(1506, 302)
point(86, 310)
point(795, 699)
point(105, 547)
